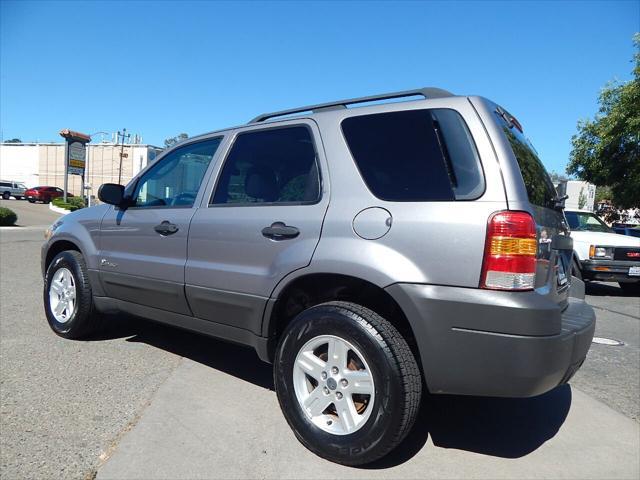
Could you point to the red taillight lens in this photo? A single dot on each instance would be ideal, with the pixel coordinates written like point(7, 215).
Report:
point(510, 252)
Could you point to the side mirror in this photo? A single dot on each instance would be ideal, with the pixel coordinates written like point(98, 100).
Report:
point(111, 193)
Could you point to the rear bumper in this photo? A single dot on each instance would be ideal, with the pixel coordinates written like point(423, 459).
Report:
point(487, 343)
point(608, 270)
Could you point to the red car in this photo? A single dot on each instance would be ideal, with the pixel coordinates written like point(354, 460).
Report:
point(44, 194)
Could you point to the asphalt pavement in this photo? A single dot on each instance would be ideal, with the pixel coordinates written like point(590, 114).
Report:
point(149, 401)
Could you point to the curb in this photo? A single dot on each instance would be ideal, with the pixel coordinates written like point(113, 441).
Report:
point(59, 210)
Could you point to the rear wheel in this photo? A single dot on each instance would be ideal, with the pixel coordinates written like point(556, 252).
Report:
point(630, 288)
point(68, 303)
point(6, 195)
point(31, 200)
point(347, 382)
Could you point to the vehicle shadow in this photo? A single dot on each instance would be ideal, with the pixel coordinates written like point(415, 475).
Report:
point(601, 289)
point(237, 360)
point(500, 427)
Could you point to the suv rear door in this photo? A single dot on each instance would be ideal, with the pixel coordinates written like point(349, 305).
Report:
point(262, 220)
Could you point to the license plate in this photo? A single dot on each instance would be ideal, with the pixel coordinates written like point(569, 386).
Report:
point(634, 271)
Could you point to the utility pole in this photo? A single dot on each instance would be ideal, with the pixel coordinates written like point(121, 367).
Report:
point(125, 136)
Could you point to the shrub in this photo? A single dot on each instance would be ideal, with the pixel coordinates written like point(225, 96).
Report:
point(7, 217)
point(72, 204)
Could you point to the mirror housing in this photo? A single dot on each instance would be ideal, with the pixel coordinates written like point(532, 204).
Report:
point(111, 193)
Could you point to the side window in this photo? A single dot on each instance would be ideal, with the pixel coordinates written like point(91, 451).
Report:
point(415, 155)
point(175, 180)
point(277, 165)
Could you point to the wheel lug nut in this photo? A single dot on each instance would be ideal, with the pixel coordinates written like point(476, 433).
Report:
point(326, 391)
point(324, 375)
point(344, 382)
point(338, 395)
point(334, 370)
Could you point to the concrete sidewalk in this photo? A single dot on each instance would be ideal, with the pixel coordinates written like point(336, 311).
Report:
point(222, 420)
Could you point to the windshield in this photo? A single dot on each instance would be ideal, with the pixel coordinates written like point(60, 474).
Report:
point(586, 222)
point(540, 189)
point(21, 185)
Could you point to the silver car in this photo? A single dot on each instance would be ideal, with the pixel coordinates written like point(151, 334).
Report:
point(370, 254)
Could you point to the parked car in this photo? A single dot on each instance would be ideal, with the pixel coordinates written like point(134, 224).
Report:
point(602, 254)
point(627, 229)
point(12, 189)
point(44, 194)
point(368, 253)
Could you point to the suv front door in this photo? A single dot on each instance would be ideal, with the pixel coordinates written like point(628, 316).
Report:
point(262, 222)
point(143, 249)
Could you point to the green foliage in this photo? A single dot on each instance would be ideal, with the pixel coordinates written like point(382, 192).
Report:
point(603, 193)
point(72, 204)
point(7, 217)
point(13, 140)
point(606, 150)
point(169, 142)
point(582, 199)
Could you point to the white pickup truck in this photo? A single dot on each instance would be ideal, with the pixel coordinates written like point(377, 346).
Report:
point(601, 254)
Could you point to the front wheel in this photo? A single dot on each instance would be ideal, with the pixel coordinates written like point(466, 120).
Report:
point(68, 303)
point(347, 382)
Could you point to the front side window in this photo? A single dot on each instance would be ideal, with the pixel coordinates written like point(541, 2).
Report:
point(175, 180)
point(274, 166)
point(415, 155)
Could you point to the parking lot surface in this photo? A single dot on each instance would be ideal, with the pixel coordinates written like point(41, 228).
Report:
point(149, 401)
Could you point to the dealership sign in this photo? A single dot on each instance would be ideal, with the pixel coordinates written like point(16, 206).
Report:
point(77, 158)
point(76, 151)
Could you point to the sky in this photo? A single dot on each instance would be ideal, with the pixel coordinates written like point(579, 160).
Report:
point(161, 68)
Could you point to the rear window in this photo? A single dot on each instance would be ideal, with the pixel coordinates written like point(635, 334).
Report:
point(415, 155)
point(540, 189)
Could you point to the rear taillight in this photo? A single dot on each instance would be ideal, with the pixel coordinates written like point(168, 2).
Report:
point(510, 252)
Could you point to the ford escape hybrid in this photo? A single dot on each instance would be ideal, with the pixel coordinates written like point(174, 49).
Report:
point(371, 254)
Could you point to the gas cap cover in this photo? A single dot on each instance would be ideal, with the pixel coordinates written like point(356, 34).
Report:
point(372, 223)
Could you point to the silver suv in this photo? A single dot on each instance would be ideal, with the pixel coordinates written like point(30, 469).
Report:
point(371, 254)
point(12, 189)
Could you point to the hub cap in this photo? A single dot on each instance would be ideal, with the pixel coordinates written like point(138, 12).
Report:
point(333, 384)
point(62, 295)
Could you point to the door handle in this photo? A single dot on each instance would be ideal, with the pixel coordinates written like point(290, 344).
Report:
point(166, 228)
point(280, 231)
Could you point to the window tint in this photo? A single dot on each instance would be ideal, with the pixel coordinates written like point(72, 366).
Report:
point(270, 166)
point(175, 180)
point(415, 155)
point(540, 189)
point(5, 184)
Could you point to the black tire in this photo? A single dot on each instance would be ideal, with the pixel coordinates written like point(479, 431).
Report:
point(6, 195)
point(31, 200)
point(575, 269)
point(630, 288)
point(18, 198)
point(84, 321)
point(398, 383)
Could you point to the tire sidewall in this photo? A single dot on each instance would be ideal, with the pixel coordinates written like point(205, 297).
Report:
point(351, 448)
point(69, 261)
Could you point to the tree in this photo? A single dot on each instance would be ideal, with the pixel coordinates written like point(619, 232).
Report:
point(13, 140)
point(606, 150)
point(169, 142)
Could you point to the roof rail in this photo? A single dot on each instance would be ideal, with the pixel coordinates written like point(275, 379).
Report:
point(427, 92)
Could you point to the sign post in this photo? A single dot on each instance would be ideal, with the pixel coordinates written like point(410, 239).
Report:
point(75, 157)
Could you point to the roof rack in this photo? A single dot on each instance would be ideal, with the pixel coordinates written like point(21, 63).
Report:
point(427, 92)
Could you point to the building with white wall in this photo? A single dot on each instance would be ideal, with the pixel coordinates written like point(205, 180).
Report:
point(43, 163)
point(582, 195)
